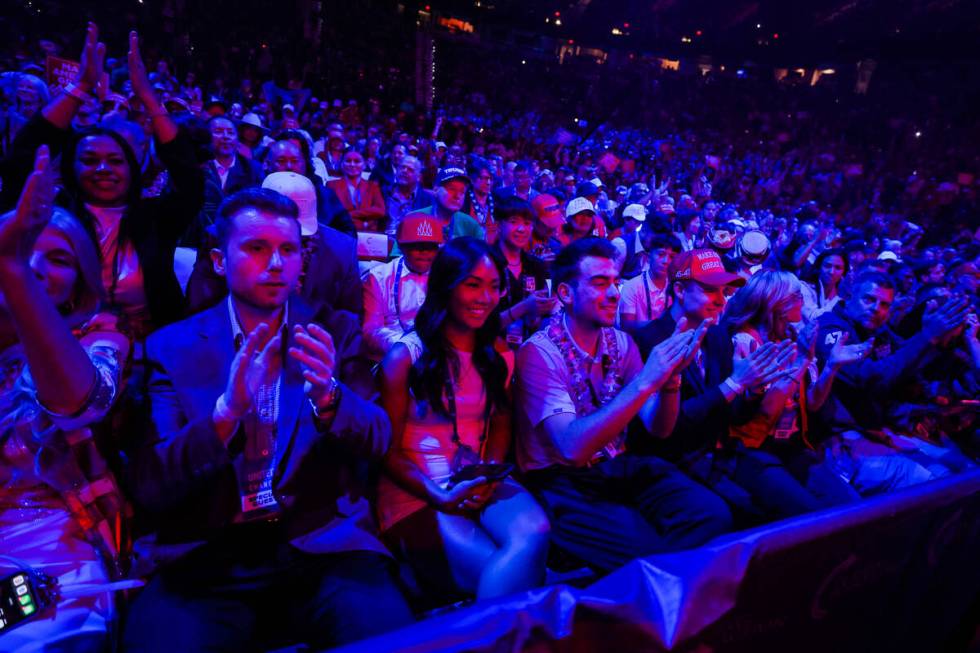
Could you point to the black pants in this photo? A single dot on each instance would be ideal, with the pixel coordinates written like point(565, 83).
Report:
point(626, 508)
point(251, 592)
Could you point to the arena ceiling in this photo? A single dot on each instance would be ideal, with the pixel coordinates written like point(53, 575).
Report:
point(767, 30)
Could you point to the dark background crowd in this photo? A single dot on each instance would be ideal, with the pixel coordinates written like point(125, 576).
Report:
point(555, 300)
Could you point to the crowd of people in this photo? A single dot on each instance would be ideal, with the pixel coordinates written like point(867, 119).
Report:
point(309, 367)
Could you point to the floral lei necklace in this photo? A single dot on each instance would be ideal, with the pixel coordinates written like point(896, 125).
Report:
point(583, 394)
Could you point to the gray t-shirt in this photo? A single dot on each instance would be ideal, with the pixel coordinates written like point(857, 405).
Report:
point(544, 388)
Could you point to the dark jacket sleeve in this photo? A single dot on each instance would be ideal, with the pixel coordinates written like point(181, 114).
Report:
point(351, 297)
point(331, 212)
point(180, 457)
point(177, 207)
point(701, 411)
point(874, 376)
point(353, 368)
point(360, 426)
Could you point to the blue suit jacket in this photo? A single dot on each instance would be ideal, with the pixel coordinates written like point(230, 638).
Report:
point(184, 475)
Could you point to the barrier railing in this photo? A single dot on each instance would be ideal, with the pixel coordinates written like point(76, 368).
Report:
point(894, 573)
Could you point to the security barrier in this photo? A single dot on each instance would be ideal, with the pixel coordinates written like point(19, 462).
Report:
point(894, 573)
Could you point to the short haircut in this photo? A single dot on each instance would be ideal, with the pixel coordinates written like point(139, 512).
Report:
point(261, 199)
point(685, 217)
point(664, 241)
point(566, 266)
point(214, 119)
point(508, 207)
point(872, 276)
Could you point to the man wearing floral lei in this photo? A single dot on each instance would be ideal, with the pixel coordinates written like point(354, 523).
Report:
point(580, 383)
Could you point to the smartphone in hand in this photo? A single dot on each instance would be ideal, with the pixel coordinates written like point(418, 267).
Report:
point(493, 472)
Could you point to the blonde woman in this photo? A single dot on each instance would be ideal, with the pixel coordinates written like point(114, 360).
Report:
point(779, 463)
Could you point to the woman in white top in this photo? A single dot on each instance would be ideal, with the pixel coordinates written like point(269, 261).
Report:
point(446, 388)
point(822, 296)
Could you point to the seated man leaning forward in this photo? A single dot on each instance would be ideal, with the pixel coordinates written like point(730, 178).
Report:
point(254, 460)
point(580, 382)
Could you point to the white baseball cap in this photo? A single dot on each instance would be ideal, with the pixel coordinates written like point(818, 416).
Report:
point(636, 211)
point(578, 205)
point(299, 189)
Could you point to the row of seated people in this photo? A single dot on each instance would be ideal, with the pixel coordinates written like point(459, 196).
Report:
point(243, 442)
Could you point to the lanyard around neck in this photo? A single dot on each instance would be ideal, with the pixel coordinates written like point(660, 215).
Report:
point(397, 291)
point(451, 408)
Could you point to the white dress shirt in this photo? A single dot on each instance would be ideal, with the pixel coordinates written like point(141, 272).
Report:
point(382, 327)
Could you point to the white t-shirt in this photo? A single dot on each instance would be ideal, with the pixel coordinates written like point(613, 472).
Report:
point(642, 298)
point(382, 328)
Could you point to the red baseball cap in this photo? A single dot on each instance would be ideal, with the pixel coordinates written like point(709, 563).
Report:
point(419, 227)
point(705, 266)
point(548, 209)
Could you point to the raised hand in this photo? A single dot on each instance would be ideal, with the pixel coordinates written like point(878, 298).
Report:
point(137, 73)
point(254, 365)
point(938, 323)
point(20, 228)
point(842, 353)
point(92, 60)
point(665, 358)
point(318, 356)
point(972, 326)
point(694, 345)
point(764, 365)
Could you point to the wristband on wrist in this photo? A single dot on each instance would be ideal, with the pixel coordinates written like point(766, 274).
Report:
point(222, 411)
point(76, 92)
point(733, 386)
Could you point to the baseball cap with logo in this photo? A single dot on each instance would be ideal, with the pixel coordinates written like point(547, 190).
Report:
point(299, 189)
point(448, 174)
point(548, 210)
point(418, 227)
point(705, 266)
point(578, 205)
point(637, 212)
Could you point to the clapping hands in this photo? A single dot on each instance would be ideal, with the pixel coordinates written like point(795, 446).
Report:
point(20, 228)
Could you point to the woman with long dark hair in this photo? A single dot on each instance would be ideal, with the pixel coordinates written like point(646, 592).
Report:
point(446, 388)
point(823, 294)
point(137, 236)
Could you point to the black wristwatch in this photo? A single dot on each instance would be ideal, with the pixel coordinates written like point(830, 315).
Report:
point(333, 400)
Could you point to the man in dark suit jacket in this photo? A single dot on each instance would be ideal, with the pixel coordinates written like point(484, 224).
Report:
point(256, 462)
point(387, 169)
point(331, 279)
point(227, 173)
point(715, 394)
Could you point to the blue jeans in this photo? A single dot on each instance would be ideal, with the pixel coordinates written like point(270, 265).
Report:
point(625, 508)
point(773, 483)
point(252, 593)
